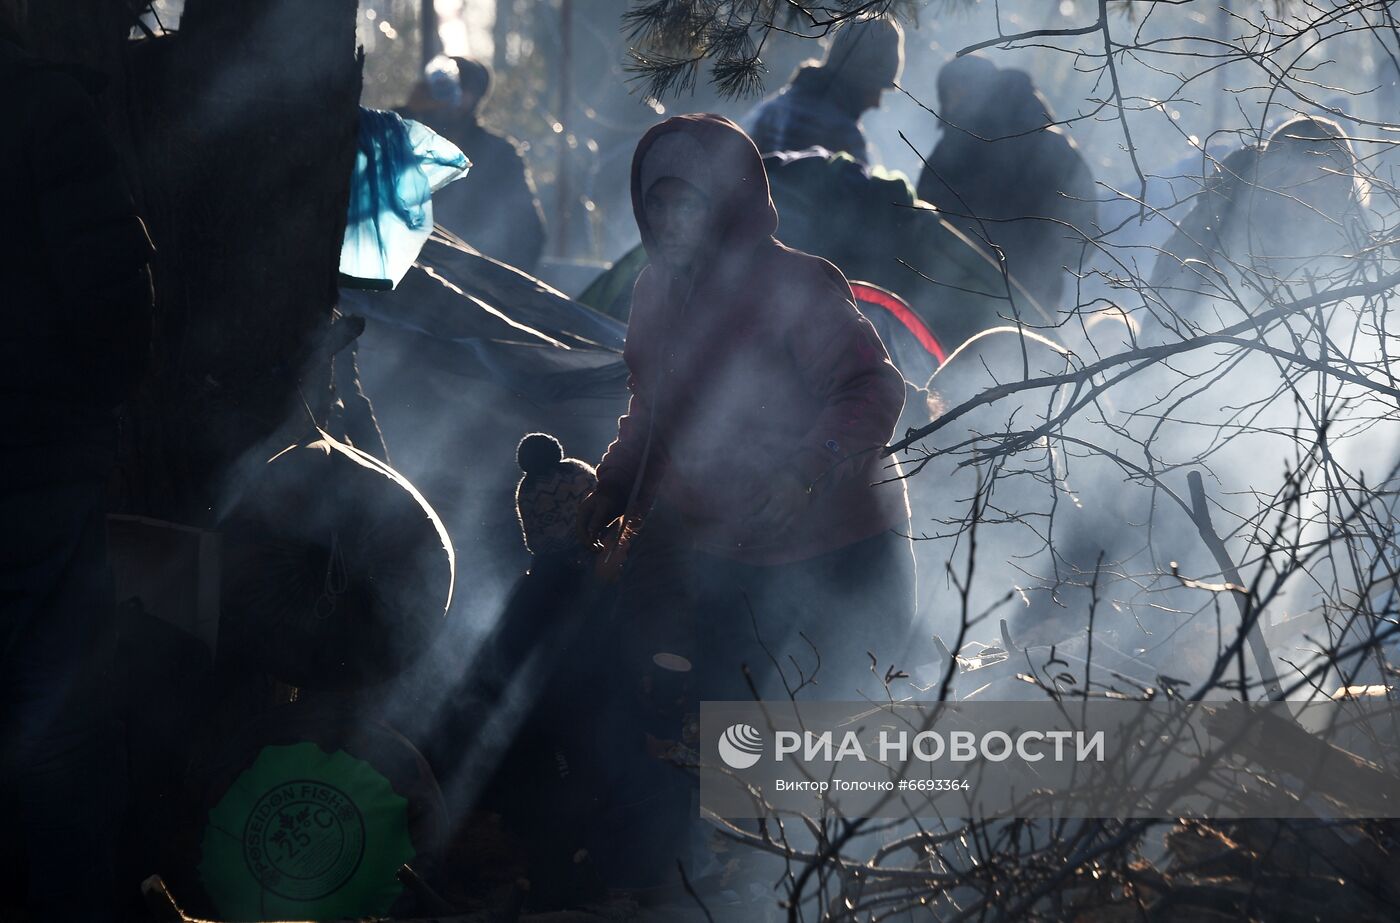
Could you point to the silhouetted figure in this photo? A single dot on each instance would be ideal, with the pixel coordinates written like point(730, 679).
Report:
point(759, 398)
point(76, 314)
point(874, 229)
point(1008, 177)
point(1272, 216)
point(495, 208)
point(747, 459)
point(549, 670)
point(822, 104)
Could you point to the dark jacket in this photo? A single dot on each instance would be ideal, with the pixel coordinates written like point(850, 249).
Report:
point(494, 208)
point(73, 263)
point(805, 114)
point(1028, 183)
point(760, 368)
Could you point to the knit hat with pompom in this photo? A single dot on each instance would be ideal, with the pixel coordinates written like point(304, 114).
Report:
point(548, 496)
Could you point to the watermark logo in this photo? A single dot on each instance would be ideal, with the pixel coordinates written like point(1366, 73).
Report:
point(740, 746)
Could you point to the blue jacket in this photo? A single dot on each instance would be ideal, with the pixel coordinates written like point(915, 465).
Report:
point(804, 114)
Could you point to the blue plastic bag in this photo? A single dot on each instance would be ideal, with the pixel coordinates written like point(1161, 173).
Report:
point(399, 165)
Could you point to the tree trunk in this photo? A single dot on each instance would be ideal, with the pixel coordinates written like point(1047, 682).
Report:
point(428, 31)
point(240, 133)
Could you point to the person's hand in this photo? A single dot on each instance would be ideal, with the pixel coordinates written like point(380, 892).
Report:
point(784, 500)
point(596, 512)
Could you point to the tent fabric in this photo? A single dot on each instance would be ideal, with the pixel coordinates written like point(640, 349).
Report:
point(400, 163)
point(481, 319)
point(349, 592)
point(522, 297)
point(874, 295)
point(912, 347)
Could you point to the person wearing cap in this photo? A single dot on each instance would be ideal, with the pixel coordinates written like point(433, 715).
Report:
point(495, 208)
point(760, 399)
point(547, 649)
point(822, 104)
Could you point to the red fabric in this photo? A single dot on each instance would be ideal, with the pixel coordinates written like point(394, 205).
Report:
point(873, 294)
point(759, 368)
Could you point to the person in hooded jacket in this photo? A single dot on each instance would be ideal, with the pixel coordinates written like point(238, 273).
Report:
point(1290, 212)
point(760, 399)
point(1008, 177)
point(822, 104)
point(76, 312)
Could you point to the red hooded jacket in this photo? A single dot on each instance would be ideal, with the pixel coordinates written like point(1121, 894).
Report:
point(759, 368)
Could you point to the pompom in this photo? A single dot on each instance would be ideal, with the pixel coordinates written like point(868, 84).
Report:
point(538, 453)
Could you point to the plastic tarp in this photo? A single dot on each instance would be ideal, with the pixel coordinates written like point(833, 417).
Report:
point(400, 163)
point(474, 317)
point(524, 298)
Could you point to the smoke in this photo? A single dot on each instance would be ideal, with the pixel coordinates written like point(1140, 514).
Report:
point(1088, 517)
point(451, 427)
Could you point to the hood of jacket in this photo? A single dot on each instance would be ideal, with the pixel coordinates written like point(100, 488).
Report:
point(734, 181)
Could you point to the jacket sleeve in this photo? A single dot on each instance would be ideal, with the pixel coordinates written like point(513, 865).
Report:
point(96, 246)
point(622, 463)
point(842, 359)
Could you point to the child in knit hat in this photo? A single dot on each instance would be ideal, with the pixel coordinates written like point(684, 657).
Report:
point(597, 727)
point(546, 643)
point(547, 498)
